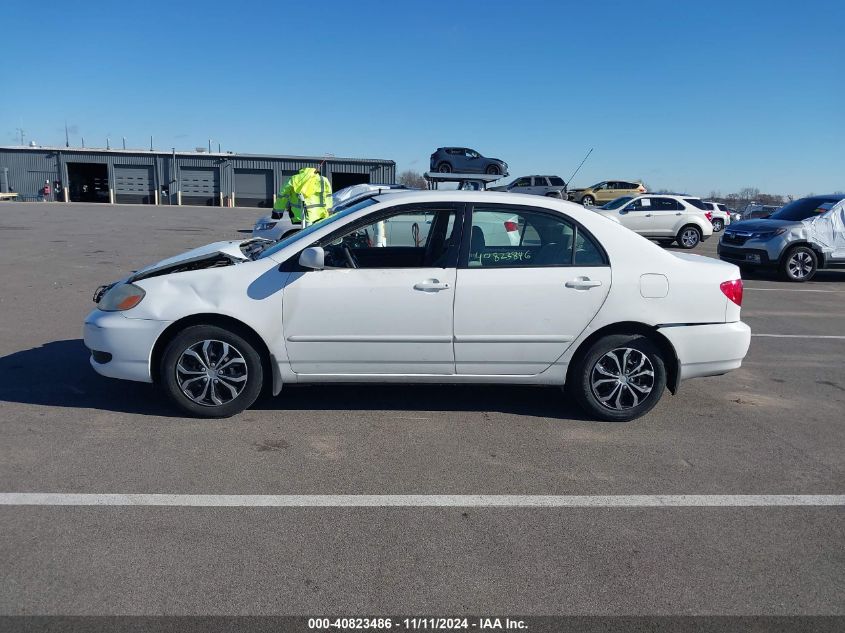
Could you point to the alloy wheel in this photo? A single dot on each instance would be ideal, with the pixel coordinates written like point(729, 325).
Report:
point(622, 379)
point(211, 373)
point(800, 265)
point(689, 238)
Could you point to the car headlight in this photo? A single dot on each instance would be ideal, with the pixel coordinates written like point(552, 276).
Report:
point(121, 297)
point(767, 235)
point(265, 226)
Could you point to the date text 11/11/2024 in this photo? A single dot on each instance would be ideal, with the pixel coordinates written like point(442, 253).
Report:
point(417, 623)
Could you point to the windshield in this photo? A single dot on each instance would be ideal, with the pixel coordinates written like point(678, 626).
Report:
point(800, 209)
point(275, 248)
point(617, 202)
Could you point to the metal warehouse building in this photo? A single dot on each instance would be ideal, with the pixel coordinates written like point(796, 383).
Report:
point(153, 177)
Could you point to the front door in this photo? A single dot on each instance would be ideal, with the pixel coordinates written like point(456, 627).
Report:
point(519, 306)
point(383, 306)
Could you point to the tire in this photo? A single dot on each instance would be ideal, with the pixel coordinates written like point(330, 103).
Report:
point(493, 170)
point(588, 201)
point(718, 225)
point(444, 168)
point(618, 402)
point(689, 236)
point(200, 348)
point(552, 194)
point(799, 264)
point(665, 243)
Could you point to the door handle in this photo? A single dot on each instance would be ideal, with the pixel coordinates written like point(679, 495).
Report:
point(582, 283)
point(678, 213)
point(431, 285)
point(648, 215)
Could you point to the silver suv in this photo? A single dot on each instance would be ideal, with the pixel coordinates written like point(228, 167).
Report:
point(797, 240)
point(551, 186)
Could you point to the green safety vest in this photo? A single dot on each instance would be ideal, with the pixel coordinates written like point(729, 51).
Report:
point(309, 188)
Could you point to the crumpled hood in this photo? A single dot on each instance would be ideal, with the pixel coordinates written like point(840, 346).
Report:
point(229, 248)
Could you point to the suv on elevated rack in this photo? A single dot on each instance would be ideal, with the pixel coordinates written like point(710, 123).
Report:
point(551, 186)
point(463, 160)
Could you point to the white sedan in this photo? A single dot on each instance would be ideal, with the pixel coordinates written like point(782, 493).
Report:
point(576, 301)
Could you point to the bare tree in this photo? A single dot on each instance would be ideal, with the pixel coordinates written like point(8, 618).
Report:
point(412, 179)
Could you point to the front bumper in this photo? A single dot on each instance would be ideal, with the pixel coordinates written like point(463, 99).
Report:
point(763, 252)
point(129, 342)
point(708, 350)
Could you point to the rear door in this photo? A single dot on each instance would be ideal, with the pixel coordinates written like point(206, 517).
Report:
point(667, 217)
point(540, 185)
point(519, 306)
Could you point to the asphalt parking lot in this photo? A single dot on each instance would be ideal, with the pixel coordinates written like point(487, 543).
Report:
point(773, 427)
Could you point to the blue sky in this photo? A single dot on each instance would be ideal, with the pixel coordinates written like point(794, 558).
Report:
point(690, 96)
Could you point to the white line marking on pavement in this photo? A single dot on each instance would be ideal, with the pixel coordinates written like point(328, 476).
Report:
point(836, 292)
point(417, 501)
point(800, 336)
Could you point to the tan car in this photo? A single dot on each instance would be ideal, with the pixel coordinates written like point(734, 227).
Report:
point(606, 191)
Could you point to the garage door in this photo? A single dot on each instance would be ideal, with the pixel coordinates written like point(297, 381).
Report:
point(253, 188)
point(200, 185)
point(134, 184)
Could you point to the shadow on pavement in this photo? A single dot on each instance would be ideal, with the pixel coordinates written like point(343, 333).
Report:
point(532, 401)
point(58, 374)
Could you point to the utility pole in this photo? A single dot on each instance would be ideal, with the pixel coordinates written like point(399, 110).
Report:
point(22, 133)
point(124, 142)
point(67, 138)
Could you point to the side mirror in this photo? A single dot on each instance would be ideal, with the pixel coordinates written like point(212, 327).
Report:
point(313, 257)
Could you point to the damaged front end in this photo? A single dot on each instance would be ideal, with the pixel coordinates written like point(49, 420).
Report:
point(216, 255)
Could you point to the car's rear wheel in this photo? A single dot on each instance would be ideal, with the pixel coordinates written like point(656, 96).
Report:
point(444, 168)
point(211, 372)
point(588, 201)
point(718, 225)
point(493, 170)
point(799, 264)
point(689, 236)
point(621, 377)
point(665, 243)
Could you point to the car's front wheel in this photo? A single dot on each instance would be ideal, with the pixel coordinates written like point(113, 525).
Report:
point(689, 236)
point(621, 377)
point(211, 372)
point(493, 170)
point(799, 264)
point(588, 201)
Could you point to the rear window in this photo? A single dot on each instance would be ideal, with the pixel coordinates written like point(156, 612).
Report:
point(697, 203)
point(801, 209)
point(556, 182)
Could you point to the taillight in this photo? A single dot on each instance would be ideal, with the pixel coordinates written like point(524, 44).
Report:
point(510, 227)
point(732, 290)
point(708, 215)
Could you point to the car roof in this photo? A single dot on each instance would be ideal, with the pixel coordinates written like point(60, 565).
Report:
point(456, 195)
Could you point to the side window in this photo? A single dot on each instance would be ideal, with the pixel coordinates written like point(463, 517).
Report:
point(665, 204)
point(522, 182)
point(412, 238)
point(505, 238)
point(640, 204)
point(540, 181)
point(556, 181)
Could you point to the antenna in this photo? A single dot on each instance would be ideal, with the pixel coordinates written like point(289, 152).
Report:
point(579, 167)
